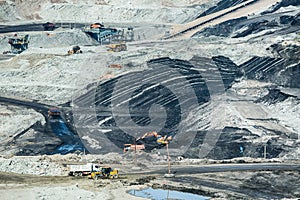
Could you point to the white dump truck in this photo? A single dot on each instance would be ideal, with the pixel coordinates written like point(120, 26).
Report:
point(82, 170)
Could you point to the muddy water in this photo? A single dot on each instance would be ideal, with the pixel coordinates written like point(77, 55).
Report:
point(70, 142)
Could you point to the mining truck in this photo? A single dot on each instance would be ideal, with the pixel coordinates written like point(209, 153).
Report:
point(75, 50)
point(83, 170)
point(18, 43)
point(49, 26)
point(53, 112)
point(117, 47)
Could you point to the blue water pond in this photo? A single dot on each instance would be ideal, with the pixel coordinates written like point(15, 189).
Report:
point(160, 194)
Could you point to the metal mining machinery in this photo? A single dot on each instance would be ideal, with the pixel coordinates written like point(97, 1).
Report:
point(74, 50)
point(53, 112)
point(49, 26)
point(117, 47)
point(104, 173)
point(160, 141)
point(108, 35)
point(18, 43)
point(93, 171)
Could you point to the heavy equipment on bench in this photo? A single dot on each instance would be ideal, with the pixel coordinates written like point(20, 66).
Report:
point(49, 26)
point(106, 35)
point(75, 50)
point(160, 141)
point(105, 172)
point(18, 43)
point(117, 47)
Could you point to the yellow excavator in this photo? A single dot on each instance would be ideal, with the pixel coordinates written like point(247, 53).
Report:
point(105, 172)
point(159, 138)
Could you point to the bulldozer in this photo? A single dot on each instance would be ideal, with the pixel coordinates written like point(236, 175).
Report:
point(75, 50)
point(117, 47)
point(105, 172)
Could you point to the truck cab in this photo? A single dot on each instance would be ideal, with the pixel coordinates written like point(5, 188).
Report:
point(105, 172)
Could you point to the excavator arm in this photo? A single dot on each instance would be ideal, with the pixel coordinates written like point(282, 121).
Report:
point(159, 139)
point(150, 134)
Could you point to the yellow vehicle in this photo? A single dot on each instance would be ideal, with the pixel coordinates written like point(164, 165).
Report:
point(163, 140)
point(75, 50)
point(105, 172)
point(117, 47)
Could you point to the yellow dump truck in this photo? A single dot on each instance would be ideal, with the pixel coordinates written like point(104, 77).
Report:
point(117, 47)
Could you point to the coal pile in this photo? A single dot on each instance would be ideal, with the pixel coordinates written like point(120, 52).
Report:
point(128, 100)
point(284, 72)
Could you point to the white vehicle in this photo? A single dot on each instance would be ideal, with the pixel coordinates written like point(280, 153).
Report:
point(81, 170)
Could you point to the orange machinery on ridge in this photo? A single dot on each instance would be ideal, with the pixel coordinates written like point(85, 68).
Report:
point(161, 140)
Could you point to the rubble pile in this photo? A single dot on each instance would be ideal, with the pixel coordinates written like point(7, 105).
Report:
point(32, 165)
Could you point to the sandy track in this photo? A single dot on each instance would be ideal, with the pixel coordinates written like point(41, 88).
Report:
point(28, 187)
point(221, 16)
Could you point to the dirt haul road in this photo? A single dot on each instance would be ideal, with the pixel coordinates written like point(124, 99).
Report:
point(206, 180)
point(244, 9)
point(29, 187)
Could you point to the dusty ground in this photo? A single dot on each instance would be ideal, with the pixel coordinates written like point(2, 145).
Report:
point(46, 74)
point(18, 186)
point(28, 183)
point(217, 185)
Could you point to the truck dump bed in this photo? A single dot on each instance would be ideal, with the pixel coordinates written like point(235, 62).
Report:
point(79, 170)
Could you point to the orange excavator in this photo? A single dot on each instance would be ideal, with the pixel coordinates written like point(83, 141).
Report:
point(160, 140)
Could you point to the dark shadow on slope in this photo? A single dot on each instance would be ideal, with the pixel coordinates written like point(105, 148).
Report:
point(281, 4)
point(242, 27)
point(274, 96)
point(283, 72)
point(221, 5)
point(236, 142)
